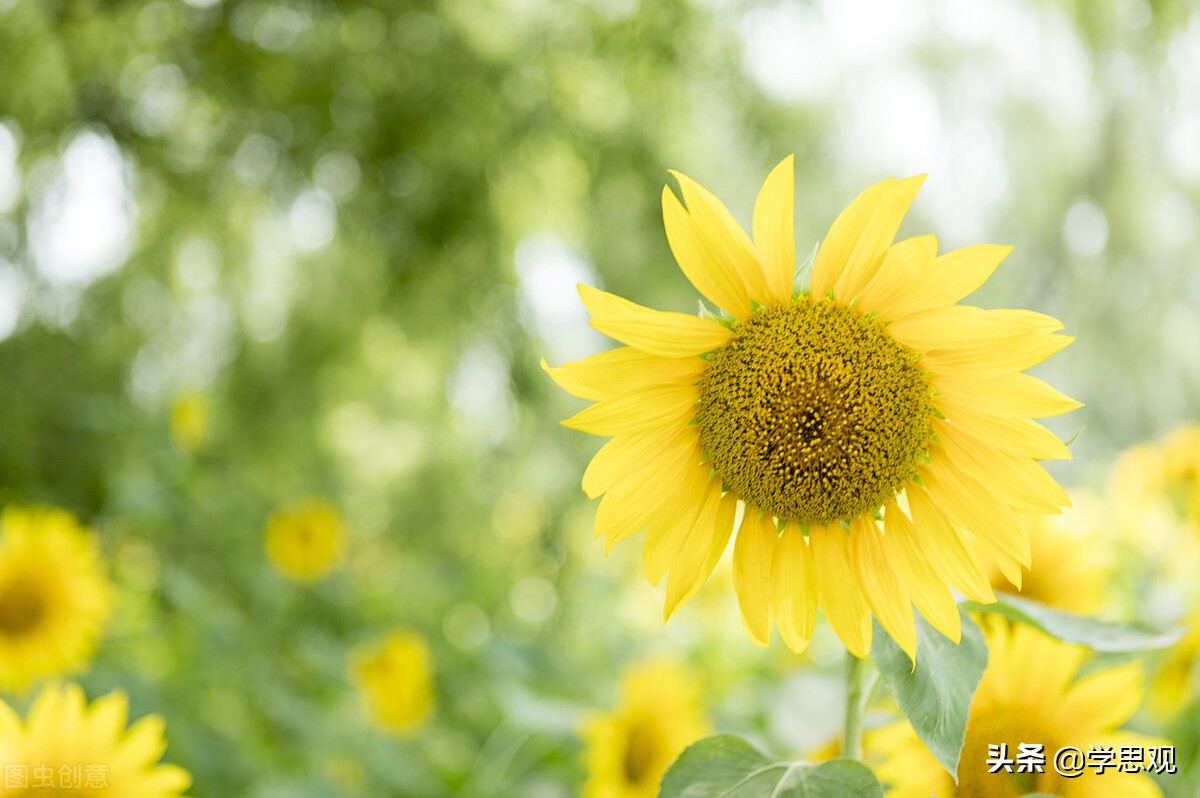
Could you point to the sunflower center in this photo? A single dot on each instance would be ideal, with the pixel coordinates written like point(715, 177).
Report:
point(22, 607)
point(814, 413)
point(641, 751)
point(1017, 772)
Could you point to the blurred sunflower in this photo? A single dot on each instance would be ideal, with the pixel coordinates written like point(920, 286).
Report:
point(190, 414)
point(395, 678)
point(67, 746)
point(870, 396)
point(1174, 684)
point(1071, 565)
point(304, 539)
point(658, 714)
point(1016, 704)
point(1181, 471)
point(54, 596)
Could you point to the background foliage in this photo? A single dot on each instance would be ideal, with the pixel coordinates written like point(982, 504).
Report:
point(355, 227)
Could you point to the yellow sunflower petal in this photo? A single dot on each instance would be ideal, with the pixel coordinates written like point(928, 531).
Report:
point(656, 332)
point(670, 526)
point(834, 252)
point(708, 254)
point(699, 554)
point(875, 239)
point(1009, 568)
point(1020, 437)
point(1024, 484)
point(725, 236)
point(623, 455)
point(886, 594)
point(1011, 395)
point(622, 370)
point(774, 229)
point(794, 588)
point(900, 269)
point(974, 507)
point(628, 506)
point(109, 716)
point(838, 589)
point(1015, 353)
point(753, 549)
point(943, 547)
point(947, 279)
point(655, 407)
point(929, 593)
point(965, 326)
point(1057, 663)
point(1104, 699)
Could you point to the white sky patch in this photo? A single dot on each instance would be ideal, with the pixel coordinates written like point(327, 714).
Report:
point(1085, 228)
point(968, 180)
point(894, 126)
point(81, 223)
point(478, 390)
point(807, 54)
point(313, 221)
point(1181, 125)
point(160, 100)
point(1175, 218)
point(549, 270)
point(1044, 61)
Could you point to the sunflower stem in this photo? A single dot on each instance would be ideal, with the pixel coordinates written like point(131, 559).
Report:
point(856, 706)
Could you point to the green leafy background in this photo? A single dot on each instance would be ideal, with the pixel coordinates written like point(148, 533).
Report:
point(357, 227)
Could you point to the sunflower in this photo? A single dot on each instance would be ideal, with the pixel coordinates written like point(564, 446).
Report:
point(1081, 566)
point(1017, 704)
point(67, 746)
point(1181, 471)
point(658, 714)
point(190, 414)
point(395, 678)
point(54, 596)
point(878, 434)
point(1174, 684)
point(304, 539)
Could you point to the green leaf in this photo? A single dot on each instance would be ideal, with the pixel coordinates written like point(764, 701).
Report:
point(936, 694)
point(1098, 635)
point(801, 278)
point(718, 316)
point(729, 767)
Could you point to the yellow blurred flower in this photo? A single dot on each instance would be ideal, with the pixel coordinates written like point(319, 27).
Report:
point(305, 539)
point(69, 747)
point(659, 713)
point(871, 395)
point(1155, 504)
point(1070, 564)
point(395, 678)
point(1174, 685)
point(1137, 474)
point(1181, 471)
point(1029, 694)
point(54, 595)
point(190, 413)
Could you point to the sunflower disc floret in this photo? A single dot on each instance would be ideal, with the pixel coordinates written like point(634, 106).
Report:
point(814, 413)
